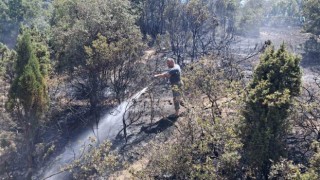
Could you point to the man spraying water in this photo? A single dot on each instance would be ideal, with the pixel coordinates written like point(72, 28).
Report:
point(174, 75)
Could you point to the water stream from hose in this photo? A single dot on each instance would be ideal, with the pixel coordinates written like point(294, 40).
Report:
point(107, 129)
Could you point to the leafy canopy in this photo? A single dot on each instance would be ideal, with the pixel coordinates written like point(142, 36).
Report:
point(312, 13)
point(28, 89)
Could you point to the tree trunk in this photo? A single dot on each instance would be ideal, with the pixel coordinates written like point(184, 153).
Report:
point(94, 100)
point(30, 122)
point(124, 127)
point(194, 34)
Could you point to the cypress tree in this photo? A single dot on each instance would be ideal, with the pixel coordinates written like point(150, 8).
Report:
point(28, 98)
point(276, 81)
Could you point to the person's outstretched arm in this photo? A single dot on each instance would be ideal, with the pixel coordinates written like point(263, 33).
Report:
point(163, 75)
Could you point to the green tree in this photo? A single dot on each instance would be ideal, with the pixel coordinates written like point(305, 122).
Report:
point(312, 12)
point(251, 16)
point(14, 12)
point(177, 28)
point(206, 145)
point(288, 8)
point(112, 62)
point(283, 13)
point(197, 13)
point(8, 138)
point(7, 59)
point(226, 11)
point(98, 42)
point(286, 169)
point(28, 97)
point(152, 16)
point(276, 81)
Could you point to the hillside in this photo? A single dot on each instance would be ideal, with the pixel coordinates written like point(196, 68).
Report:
point(159, 89)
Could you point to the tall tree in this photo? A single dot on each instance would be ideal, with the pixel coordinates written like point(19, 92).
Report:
point(251, 17)
point(152, 19)
point(14, 12)
point(28, 97)
point(97, 41)
point(312, 13)
point(7, 59)
point(226, 12)
point(177, 28)
point(197, 12)
point(289, 8)
point(276, 81)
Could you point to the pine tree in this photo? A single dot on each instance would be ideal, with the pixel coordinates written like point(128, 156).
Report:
point(276, 81)
point(311, 10)
point(28, 96)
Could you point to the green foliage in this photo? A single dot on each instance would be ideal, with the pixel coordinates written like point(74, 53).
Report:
point(207, 145)
point(29, 88)
point(176, 161)
point(202, 151)
point(226, 11)
point(98, 42)
point(14, 12)
point(8, 147)
point(289, 8)
point(312, 12)
point(217, 120)
point(197, 12)
point(41, 50)
point(251, 17)
point(96, 163)
point(77, 23)
point(152, 19)
point(177, 29)
point(276, 81)
point(283, 13)
point(7, 143)
point(285, 169)
point(315, 159)
point(7, 59)
point(28, 96)
point(288, 170)
point(116, 60)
